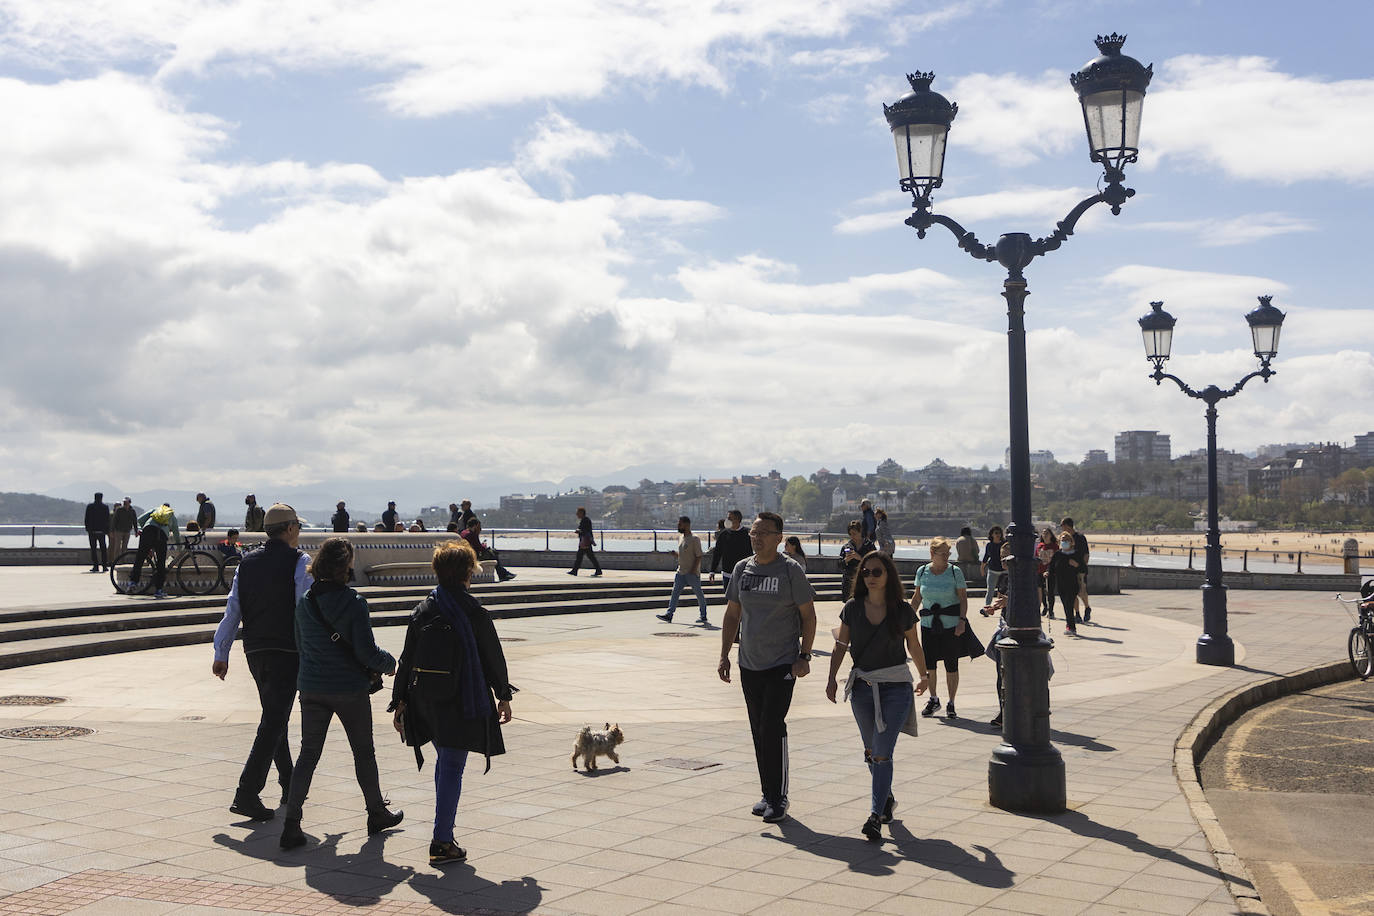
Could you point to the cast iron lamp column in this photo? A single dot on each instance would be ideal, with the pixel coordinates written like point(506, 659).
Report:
point(1214, 646)
point(1026, 772)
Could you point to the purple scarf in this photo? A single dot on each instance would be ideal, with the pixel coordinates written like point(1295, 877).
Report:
point(476, 697)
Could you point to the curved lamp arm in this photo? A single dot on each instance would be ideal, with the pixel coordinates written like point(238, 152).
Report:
point(1114, 195)
point(1212, 394)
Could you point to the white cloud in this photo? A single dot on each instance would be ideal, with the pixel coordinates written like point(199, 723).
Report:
point(558, 141)
point(832, 61)
point(1239, 230)
point(436, 57)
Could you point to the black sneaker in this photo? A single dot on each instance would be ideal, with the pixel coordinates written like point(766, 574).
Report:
point(997, 721)
point(774, 812)
point(595, 574)
point(949, 711)
point(251, 807)
point(759, 808)
point(932, 707)
point(444, 853)
point(666, 618)
point(382, 819)
point(291, 835)
point(872, 830)
point(1087, 615)
point(888, 809)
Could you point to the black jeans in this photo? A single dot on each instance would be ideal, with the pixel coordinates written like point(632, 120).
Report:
point(100, 550)
point(275, 674)
point(355, 713)
point(153, 540)
point(591, 557)
point(768, 696)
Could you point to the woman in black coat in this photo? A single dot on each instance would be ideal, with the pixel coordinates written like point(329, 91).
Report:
point(451, 687)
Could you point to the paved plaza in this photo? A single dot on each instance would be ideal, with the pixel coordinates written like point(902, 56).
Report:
point(134, 818)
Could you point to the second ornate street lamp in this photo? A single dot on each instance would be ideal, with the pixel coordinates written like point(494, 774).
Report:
point(1026, 772)
point(1214, 646)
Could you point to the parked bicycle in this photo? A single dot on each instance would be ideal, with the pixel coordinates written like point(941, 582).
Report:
point(195, 568)
point(1361, 642)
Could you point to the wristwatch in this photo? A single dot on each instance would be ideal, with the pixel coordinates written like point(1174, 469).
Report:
point(804, 656)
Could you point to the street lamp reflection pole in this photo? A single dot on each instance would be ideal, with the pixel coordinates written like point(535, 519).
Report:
point(1026, 772)
point(1214, 646)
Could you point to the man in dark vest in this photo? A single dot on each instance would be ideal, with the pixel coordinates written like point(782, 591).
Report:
point(267, 585)
point(97, 528)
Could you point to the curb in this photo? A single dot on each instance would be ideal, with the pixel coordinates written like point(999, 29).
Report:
point(1200, 734)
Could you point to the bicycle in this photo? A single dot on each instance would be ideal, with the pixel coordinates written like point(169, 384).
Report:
point(1361, 642)
point(196, 569)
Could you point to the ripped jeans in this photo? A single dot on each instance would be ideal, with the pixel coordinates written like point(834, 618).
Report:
point(895, 700)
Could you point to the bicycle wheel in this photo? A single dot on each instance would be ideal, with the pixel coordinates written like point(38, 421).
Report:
point(1360, 653)
point(198, 573)
point(228, 571)
point(122, 569)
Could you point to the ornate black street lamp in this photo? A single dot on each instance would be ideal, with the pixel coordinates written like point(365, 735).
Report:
point(1214, 646)
point(1026, 772)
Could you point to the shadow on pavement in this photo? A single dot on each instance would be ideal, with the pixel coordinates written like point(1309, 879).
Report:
point(1058, 737)
point(877, 859)
point(592, 774)
point(363, 878)
point(1081, 824)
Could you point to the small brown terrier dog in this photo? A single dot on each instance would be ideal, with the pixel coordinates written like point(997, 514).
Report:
point(592, 744)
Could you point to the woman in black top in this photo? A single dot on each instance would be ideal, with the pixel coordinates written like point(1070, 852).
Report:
point(878, 630)
point(992, 559)
point(451, 687)
point(854, 550)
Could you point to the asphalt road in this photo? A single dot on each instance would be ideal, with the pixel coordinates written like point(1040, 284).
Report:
point(1293, 784)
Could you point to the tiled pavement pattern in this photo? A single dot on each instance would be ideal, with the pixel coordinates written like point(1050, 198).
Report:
point(147, 795)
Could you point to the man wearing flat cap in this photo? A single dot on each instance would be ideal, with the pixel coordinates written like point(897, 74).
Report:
point(267, 585)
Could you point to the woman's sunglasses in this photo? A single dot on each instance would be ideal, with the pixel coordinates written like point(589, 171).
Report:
point(873, 572)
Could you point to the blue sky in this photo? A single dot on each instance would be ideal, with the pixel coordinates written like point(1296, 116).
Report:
point(532, 240)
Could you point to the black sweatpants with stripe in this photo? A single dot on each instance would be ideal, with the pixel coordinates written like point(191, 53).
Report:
point(768, 697)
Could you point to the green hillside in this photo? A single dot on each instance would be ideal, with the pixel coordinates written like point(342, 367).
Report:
point(32, 509)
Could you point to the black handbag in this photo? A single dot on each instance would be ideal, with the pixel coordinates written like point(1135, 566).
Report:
point(374, 678)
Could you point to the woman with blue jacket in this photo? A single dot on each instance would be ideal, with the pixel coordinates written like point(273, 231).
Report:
point(338, 659)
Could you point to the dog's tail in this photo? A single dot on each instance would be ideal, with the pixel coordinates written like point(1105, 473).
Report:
point(586, 732)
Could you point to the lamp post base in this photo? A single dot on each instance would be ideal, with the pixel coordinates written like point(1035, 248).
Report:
point(1026, 772)
point(1214, 650)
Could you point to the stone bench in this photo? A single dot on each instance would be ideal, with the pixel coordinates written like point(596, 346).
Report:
point(418, 573)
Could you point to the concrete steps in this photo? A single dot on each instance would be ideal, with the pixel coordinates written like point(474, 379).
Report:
point(32, 636)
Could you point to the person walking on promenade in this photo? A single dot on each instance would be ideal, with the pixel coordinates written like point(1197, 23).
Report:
point(854, 550)
point(465, 515)
point(205, 514)
point(1045, 549)
point(966, 547)
point(883, 535)
point(793, 548)
point(452, 688)
point(97, 532)
point(586, 544)
point(991, 567)
point(338, 659)
point(1065, 575)
point(473, 535)
point(941, 600)
point(389, 517)
point(732, 545)
point(688, 575)
point(121, 524)
point(1079, 561)
point(340, 519)
point(771, 606)
point(455, 518)
point(155, 528)
point(878, 629)
point(870, 521)
point(255, 518)
point(267, 584)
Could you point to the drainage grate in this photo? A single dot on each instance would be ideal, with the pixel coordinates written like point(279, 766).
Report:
point(677, 634)
point(45, 732)
point(23, 699)
point(678, 763)
point(191, 719)
point(512, 638)
point(1118, 655)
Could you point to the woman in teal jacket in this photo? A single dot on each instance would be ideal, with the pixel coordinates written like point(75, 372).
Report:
point(335, 679)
